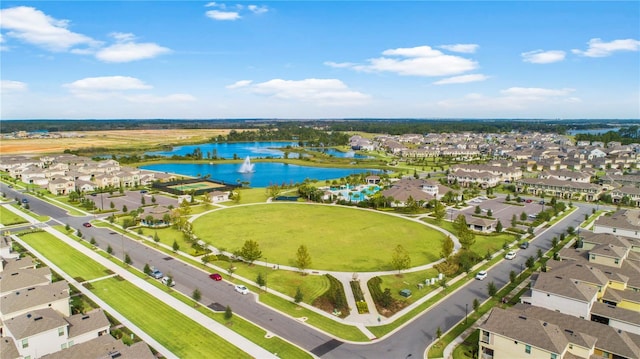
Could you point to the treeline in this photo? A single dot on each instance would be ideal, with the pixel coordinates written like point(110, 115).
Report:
point(305, 135)
point(625, 135)
point(399, 127)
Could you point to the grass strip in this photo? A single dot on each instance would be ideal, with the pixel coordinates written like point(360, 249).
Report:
point(64, 256)
point(8, 218)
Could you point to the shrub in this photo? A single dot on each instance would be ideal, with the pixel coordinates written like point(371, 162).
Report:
point(335, 295)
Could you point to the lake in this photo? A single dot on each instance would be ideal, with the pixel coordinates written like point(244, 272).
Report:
point(594, 131)
point(265, 173)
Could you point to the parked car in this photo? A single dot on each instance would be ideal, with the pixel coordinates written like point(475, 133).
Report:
point(541, 202)
point(168, 281)
point(481, 275)
point(241, 289)
point(524, 245)
point(532, 216)
point(86, 224)
point(24, 200)
point(510, 255)
point(528, 201)
point(156, 274)
point(215, 276)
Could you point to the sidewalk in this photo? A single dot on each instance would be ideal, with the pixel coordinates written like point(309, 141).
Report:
point(215, 327)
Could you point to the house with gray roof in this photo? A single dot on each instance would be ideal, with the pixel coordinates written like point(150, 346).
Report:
point(624, 223)
point(104, 347)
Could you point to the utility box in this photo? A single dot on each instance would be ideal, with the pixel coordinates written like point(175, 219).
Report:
point(405, 293)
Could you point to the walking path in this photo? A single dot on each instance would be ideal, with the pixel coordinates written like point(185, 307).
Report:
point(215, 327)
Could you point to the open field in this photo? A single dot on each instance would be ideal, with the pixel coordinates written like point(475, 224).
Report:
point(337, 238)
point(186, 339)
point(71, 261)
point(122, 139)
point(8, 218)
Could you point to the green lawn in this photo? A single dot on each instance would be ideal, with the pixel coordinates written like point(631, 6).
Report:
point(249, 195)
point(64, 256)
point(283, 281)
point(483, 242)
point(328, 232)
point(409, 281)
point(178, 333)
point(9, 218)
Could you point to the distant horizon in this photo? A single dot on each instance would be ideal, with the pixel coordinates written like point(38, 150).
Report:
point(331, 119)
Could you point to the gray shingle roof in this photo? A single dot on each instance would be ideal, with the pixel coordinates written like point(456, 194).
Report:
point(34, 297)
point(104, 347)
point(24, 278)
point(85, 323)
point(34, 322)
point(563, 286)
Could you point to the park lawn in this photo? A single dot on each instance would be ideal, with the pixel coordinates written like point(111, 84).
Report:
point(409, 281)
point(64, 256)
point(340, 330)
point(8, 218)
point(249, 195)
point(283, 281)
point(181, 335)
point(327, 231)
point(483, 241)
point(466, 349)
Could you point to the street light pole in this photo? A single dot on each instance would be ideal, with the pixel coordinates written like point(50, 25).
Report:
point(466, 312)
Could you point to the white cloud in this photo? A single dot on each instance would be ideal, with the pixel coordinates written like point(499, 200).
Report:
point(340, 64)
point(543, 57)
point(35, 27)
point(316, 91)
point(414, 61)
point(598, 48)
point(119, 88)
point(239, 84)
point(106, 86)
point(462, 79)
point(223, 15)
point(9, 86)
point(464, 48)
point(536, 91)
point(126, 50)
point(520, 100)
point(258, 9)
point(146, 98)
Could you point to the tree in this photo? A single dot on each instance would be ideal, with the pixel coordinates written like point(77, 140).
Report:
point(476, 304)
point(570, 230)
point(447, 247)
point(196, 296)
point(93, 241)
point(523, 216)
point(298, 297)
point(228, 314)
point(127, 259)
point(531, 262)
point(386, 300)
point(514, 221)
point(251, 251)
point(67, 227)
point(465, 235)
point(489, 212)
point(109, 249)
point(443, 283)
point(554, 242)
point(492, 289)
point(156, 238)
point(230, 270)
point(439, 210)
point(143, 201)
point(175, 246)
point(169, 281)
point(499, 226)
point(79, 233)
point(260, 281)
point(438, 333)
point(512, 276)
point(303, 259)
point(508, 199)
point(147, 269)
point(539, 253)
point(477, 210)
point(400, 258)
point(153, 199)
point(125, 209)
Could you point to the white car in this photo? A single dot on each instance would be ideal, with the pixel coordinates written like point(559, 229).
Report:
point(168, 281)
point(481, 275)
point(510, 255)
point(241, 289)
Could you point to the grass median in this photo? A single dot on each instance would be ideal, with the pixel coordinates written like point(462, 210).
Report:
point(8, 218)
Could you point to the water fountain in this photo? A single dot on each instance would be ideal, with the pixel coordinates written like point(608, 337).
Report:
point(247, 166)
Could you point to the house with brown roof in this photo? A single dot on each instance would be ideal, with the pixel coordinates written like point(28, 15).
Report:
point(560, 189)
point(625, 223)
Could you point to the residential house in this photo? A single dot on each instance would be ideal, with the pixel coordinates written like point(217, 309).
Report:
point(61, 186)
point(560, 189)
point(574, 176)
point(464, 178)
point(104, 347)
point(626, 194)
point(624, 223)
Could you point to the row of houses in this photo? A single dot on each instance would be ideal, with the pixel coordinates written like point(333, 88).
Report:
point(62, 174)
point(36, 319)
point(586, 304)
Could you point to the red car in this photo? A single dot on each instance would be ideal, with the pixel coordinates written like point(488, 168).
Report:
point(529, 201)
point(87, 224)
point(215, 276)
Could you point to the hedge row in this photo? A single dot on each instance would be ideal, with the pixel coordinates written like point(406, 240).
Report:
point(357, 291)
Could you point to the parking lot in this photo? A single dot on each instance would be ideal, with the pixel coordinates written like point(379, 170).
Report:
point(131, 199)
point(500, 210)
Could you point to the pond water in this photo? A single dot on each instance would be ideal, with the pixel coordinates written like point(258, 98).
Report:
point(335, 153)
point(263, 175)
point(593, 131)
point(227, 150)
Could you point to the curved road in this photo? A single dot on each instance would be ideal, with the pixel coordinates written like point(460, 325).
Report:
point(410, 340)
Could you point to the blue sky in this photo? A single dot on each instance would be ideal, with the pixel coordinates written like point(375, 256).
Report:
point(312, 59)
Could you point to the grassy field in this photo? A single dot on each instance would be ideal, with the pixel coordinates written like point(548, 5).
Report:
point(283, 281)
point(110, 140)
point(61, 254)
point(181, 335)
point(483, 242)
point(8, 218)
point(409, 281)
point(328, 232)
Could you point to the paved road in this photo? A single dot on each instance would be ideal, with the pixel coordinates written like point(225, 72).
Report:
point(409, 341)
